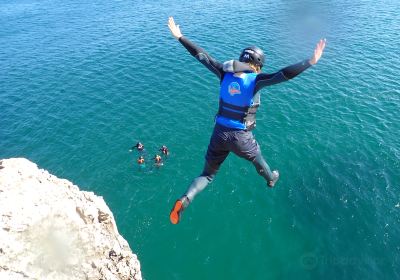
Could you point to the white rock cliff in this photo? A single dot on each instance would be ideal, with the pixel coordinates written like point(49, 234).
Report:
point(49, 229)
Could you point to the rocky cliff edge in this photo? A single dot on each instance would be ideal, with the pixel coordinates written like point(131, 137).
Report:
point(49, 229)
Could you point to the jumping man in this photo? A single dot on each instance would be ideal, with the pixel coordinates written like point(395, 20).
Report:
point(240, 85)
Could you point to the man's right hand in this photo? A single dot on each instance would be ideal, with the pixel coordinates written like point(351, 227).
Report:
point(176, 32)
point(319, 49)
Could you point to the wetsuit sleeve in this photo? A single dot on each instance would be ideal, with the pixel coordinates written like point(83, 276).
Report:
point(234, 66)
point(212, 65)
point(282, 75)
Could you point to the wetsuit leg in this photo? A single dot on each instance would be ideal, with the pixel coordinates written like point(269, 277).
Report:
point(262, 167)
point(216, 154)
point(201, 182)
point(245, 146)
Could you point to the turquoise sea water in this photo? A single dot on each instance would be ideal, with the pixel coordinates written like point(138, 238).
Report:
point(82, 81)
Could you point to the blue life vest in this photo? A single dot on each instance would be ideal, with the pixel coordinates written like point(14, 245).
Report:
point(237, 103)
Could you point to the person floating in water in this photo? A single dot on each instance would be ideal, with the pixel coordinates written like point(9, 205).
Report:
point(158, 160)
point(140, 160)
point(239, 99)
point(164, 150)
point(139, 146)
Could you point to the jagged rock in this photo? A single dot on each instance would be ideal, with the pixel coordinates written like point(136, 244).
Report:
point(49, 229)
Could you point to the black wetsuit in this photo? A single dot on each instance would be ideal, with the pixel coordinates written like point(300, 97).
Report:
point(262, 80)
point(225, 139)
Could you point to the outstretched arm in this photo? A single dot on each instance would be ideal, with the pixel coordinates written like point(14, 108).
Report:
point(213, 65)
point(290, 72)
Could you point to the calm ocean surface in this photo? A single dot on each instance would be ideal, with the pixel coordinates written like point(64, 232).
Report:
point(82, 81)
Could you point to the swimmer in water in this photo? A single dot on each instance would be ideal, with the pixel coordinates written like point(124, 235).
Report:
point(139, 146)
point(158, 160)
point(140, 160)
point(164, 150)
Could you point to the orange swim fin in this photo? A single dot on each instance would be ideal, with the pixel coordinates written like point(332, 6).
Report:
point(175, 214)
